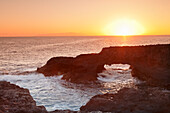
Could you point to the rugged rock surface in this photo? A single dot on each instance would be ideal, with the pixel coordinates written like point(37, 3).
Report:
point(150, 63)
point(129, 100)
point(14, 99)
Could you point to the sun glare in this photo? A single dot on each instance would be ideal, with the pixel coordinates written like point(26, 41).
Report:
point(124, 27)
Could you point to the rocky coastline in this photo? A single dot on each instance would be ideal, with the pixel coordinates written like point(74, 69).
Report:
point(14, 99)
point(130, 100)
point(148, 63)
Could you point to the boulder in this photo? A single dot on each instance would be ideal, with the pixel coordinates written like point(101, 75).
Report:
point(129, 100)
point(14, 99)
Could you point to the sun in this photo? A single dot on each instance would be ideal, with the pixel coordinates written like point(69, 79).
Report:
point(124, 27)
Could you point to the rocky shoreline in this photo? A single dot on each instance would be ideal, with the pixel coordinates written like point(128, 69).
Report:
point(129, 100)
point(14, 99)
point(150, 63)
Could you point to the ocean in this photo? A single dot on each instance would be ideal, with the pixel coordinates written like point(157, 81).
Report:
point(20, 57)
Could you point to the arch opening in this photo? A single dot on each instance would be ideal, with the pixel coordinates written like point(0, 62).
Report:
point(116, 73)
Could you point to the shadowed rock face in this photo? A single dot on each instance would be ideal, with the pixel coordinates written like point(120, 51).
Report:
point(129, 100)
point(14, 99)
point(150, 63)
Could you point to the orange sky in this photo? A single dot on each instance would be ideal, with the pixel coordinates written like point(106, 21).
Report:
point(80, 17)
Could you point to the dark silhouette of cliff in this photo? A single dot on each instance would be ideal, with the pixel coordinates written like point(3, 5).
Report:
point(150, 63)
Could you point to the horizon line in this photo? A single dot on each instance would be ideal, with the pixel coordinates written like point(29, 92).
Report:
point(85, 36)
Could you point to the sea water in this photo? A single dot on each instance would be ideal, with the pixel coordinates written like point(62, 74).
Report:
point(20, 57)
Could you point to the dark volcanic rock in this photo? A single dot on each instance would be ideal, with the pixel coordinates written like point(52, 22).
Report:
point(57, 65)
point(150, 63)
point(14, 99)
point(130, 100)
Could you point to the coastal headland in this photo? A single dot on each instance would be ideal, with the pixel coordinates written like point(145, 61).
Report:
point(150, 63)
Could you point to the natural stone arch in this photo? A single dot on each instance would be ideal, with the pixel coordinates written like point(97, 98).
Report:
point(150, 63)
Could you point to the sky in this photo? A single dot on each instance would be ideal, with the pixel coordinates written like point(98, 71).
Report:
point(82, 17)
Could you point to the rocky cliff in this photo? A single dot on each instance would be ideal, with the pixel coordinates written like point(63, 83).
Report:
point(150, 63)
point(129, 100)
point(14, 99)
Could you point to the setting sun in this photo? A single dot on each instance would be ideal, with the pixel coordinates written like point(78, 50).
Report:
point(124, 27)
point(84, 55)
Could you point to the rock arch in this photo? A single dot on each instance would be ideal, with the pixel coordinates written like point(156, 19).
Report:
point(150, 63)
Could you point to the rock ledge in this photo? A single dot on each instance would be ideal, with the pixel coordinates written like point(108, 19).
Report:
point(14, 99)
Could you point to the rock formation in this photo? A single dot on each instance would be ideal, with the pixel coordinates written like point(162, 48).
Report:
point(129, 100)
point(150, 63)
point(14, 99)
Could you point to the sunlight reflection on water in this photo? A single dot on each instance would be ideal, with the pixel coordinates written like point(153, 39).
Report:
point(20, 55)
